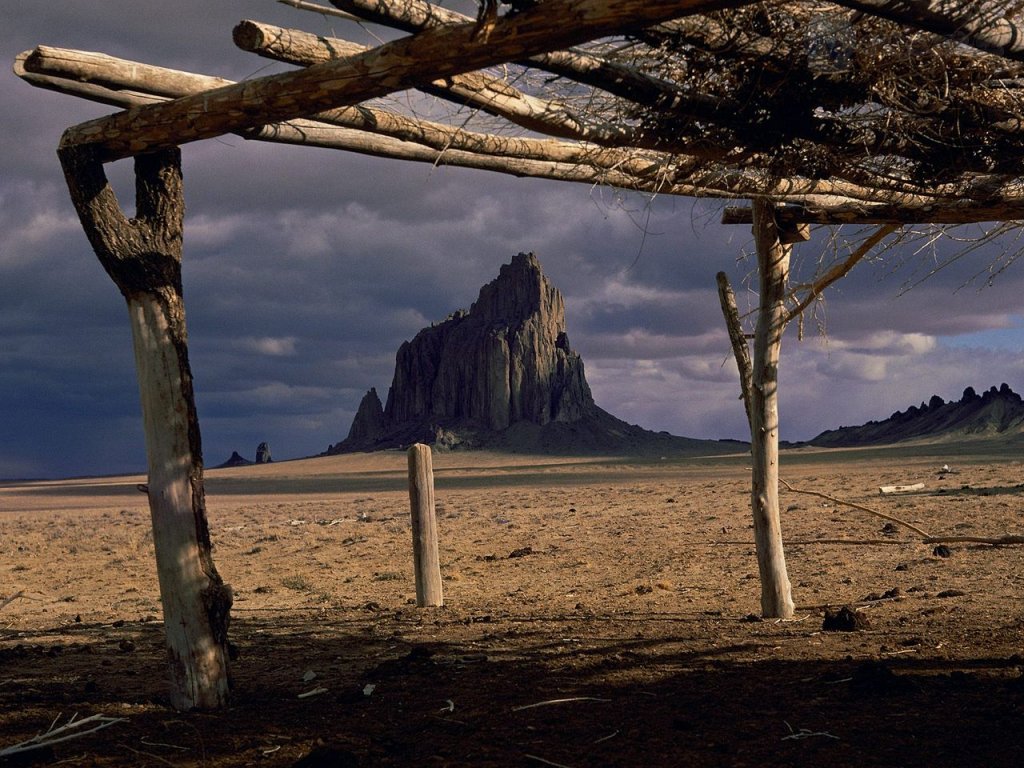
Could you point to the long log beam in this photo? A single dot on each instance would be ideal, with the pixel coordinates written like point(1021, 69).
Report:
point(981, 24)
point(807, 200)
point(1009, 207)
point(489, 94)
point(102, 77)
point(497, 97)
point(409, 139)
point(616, 79)
point(643, 88)
point(398, 65)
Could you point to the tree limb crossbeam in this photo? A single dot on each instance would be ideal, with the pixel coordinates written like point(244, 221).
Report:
point(127, 83)
point(874, 150)
point(588, 69)
point(541, 158)
point(978, 23)
point(391, 67)
point(489, 94)
point(408, 139)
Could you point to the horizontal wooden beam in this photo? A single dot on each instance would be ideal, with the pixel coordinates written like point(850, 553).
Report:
point(398, 65)
point(981, 24)
point(617, 79)
point(490, 94)
point(101, 77)
point(963, 211)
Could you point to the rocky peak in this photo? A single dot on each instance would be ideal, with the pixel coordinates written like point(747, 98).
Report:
point(502, 375)
point(369, 421)
point(263, 454)
point(505, 361)
point(520, 293)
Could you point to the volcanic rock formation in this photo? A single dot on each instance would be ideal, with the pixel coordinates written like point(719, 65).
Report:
point(263, 454)
point(995, 413)
point(501, 375)
point(235, 460)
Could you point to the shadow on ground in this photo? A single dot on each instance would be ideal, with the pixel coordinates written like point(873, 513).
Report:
point(386, 688)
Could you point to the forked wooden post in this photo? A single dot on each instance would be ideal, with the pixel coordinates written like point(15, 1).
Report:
point(773, 271)
point(426, 562)
point(143, 257)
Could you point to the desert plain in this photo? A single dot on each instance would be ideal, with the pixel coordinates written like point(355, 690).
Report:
point(599, 611)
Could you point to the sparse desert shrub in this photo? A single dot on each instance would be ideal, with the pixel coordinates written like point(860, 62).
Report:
point(298, 583)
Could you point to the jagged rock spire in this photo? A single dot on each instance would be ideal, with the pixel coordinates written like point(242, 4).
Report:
point(500, 375)
point(507, 360)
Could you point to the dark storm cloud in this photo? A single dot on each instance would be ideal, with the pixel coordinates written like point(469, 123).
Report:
point(305, 269)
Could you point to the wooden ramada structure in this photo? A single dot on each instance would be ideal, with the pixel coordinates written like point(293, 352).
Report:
point(878, 112)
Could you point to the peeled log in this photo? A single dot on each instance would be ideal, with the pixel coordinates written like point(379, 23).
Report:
point(405, 63)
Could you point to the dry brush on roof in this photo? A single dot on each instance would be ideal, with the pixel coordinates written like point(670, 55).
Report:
point(856, 110)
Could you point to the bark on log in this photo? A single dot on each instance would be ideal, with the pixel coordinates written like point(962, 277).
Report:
point(773, 271)
point(1002, 205)
point(622, 81)
point(405, 63)
point(489, 94)
point(821, 201)
point(143, 257)
point(982, 24)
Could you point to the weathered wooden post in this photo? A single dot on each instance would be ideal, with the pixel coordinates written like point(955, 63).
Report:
point(773, 271)
point(143, 257)
point(426, 562)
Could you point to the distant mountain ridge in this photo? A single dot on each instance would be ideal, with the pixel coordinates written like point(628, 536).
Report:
point(998, 412)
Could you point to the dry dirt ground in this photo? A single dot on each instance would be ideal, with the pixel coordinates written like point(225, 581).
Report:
point(599, 613)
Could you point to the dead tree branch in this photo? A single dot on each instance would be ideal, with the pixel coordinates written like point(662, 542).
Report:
point(840, 270)
point(57, 734)
point(922, 533)
point(738, 340)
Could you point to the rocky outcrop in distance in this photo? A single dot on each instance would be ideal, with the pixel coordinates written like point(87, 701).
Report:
point(501, 375)
point(263, 454)
point(235, 460)
point(997, 412)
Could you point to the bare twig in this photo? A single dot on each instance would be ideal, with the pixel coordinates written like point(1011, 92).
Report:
point(542, 761)
point(57, 734)
point(840, 270)
point(150, 755)
point(806, 733)
point(549, 702)
point(12, 598)
point(302, 5)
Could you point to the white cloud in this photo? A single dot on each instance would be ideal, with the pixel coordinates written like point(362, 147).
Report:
point(887, 343)
point(267, 345)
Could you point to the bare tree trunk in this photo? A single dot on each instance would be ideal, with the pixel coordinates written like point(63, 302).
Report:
point(143, 257)
point(773, 269)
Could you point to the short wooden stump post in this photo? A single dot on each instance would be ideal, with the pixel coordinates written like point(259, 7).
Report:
point(426, 562)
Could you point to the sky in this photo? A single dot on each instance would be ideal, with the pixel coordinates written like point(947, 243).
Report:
point(305, 269)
